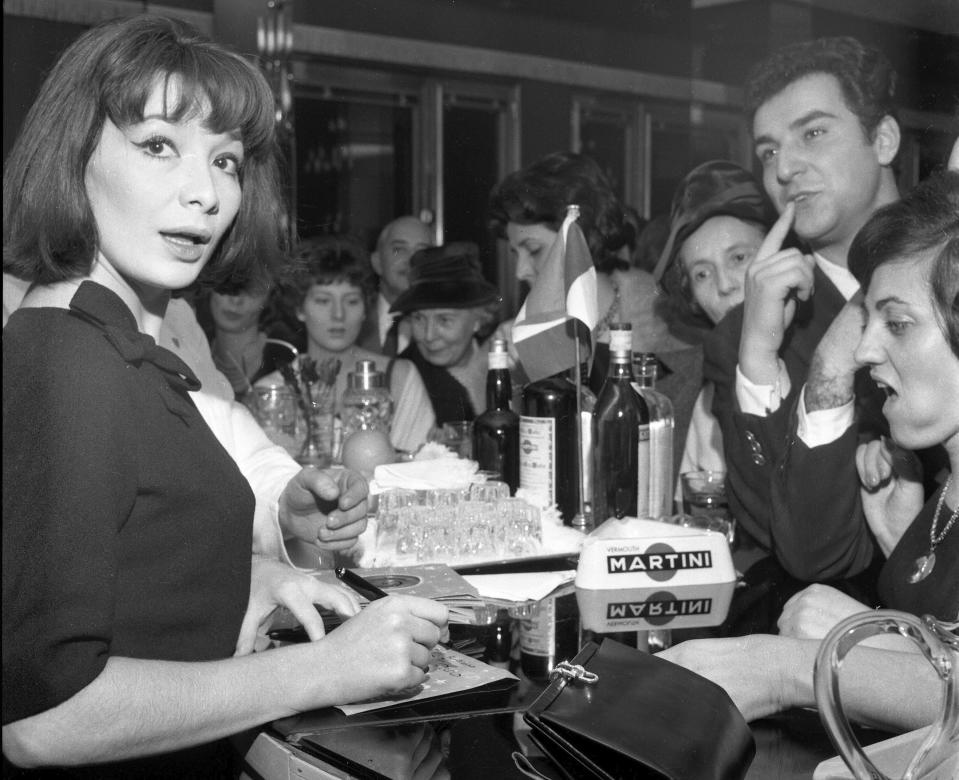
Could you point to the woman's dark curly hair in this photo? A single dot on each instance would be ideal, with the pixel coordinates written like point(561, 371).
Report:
point(540, 193)
point(327, 260)
point(926, 221)
point(866, 77)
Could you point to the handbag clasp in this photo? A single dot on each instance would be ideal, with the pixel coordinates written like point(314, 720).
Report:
point(569, 671)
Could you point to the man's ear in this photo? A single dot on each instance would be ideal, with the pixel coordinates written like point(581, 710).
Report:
point(375, 262)
point(886, 140)
point(299, 314)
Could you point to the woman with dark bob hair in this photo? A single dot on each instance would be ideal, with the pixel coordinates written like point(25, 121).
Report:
point(527, 209)
point(538, 195)
point(146, 162)
point(906, 259)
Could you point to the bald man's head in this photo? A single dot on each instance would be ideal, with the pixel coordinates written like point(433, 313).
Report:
point(391, 258)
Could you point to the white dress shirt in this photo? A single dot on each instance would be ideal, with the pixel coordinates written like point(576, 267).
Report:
point(814, 428)
point(385, 321)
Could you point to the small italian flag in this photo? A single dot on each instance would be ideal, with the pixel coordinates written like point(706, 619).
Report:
point(561, 306)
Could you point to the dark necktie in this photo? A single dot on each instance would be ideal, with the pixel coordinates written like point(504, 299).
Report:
point(391, 342)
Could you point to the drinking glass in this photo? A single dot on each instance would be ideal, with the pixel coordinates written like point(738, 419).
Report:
point(721, 525)
point(458, 436)
point(521, 528)
point(409, 530)
point(438, 529)
point(387, 515)
point(490, 491)
point(275, 409)
point(443, 497)
point(474, 528)
point(704, 496)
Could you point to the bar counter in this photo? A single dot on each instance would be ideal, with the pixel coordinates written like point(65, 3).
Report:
point(475, 738)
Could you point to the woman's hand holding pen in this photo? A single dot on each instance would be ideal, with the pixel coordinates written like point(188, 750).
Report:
point(382, 650)
point(274, 584)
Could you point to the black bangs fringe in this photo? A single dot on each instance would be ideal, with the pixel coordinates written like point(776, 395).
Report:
point(239, 97)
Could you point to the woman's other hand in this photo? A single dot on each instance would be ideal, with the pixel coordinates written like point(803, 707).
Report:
point(324, 507)
point(812, 613)
point(892, 492)
point(275, 584)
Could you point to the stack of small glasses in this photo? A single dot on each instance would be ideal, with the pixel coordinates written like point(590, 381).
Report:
point(439, 525)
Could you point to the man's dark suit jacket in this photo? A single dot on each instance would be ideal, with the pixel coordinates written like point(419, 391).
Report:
point(800, 504)
point(369, 337)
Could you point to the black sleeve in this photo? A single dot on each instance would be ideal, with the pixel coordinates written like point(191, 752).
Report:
point(68, 482)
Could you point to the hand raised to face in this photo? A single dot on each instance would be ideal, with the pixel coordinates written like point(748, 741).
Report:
point(775, 281)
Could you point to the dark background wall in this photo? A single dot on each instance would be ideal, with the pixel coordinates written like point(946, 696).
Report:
point(718, 43)
point(668, 37)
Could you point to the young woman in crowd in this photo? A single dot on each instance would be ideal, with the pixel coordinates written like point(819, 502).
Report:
point(447, 302)
point(906, 258)
point(147, 160)
point(238, 319)
point(329, 288)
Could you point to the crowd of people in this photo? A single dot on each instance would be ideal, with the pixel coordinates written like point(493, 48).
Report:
point(807, 327)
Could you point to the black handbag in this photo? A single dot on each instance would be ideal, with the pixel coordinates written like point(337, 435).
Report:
point(615, 712)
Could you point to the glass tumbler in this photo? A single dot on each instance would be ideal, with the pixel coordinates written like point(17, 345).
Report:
point(275, 409)
point(387, 516)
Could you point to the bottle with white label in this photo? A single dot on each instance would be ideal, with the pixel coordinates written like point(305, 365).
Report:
point(553, 455)
point(661, 428)
point(550, 633)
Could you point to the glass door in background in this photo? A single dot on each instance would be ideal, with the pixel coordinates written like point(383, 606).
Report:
point(612, 131)
point(357, 157)
point(680, 137)
point(478, 142)
point(373, 145)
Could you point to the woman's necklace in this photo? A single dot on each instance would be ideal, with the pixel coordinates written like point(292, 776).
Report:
point(926, 563)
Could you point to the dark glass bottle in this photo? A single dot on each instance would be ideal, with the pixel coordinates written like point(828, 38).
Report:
point(550, 634)
point(496, 431)
point(662, 485)
point(551, 454)
point(620, 437)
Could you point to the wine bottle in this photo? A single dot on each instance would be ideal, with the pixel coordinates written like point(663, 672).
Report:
point(661, 428)
point(554, 455)
point(620, 437)
point(550, 634)
point(496, 431)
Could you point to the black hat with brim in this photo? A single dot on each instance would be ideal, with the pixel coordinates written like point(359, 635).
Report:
point(446, 277)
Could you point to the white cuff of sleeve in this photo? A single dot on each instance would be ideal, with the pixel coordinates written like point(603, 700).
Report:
point(762, 400)
point(824, 425)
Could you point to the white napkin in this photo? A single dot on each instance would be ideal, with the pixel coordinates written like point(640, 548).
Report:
point(452, 473)
point(520, 587)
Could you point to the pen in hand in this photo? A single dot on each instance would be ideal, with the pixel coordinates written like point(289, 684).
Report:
point(364, 587)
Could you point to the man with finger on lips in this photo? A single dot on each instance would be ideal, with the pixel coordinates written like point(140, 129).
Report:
point(790, 399)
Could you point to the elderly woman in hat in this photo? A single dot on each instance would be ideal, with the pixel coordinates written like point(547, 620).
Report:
point(447, 304)
point(718, 220)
